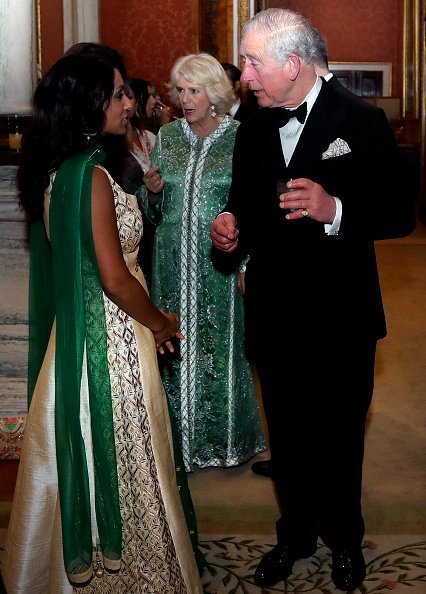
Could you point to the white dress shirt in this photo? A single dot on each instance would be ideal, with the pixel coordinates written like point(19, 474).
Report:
point(234, 108)
point(290, 134)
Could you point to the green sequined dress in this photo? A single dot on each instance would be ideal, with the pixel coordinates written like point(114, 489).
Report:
point(209, 383)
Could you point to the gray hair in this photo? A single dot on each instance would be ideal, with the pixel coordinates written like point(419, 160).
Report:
point(204, 70)
point(287, 33)
point(321, 57)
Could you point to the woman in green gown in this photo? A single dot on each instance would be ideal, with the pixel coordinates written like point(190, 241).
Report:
point(209, 382)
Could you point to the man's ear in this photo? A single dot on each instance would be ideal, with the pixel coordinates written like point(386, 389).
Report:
point(293, 66)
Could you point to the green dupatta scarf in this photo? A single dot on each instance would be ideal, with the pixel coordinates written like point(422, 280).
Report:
point(65, 283)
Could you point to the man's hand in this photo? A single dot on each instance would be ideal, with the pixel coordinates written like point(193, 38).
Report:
point(310, 200)
point(224, 232)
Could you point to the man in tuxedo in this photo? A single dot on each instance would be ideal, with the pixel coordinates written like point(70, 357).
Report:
point(264, 467)
point(313, 300)
point(245, 104)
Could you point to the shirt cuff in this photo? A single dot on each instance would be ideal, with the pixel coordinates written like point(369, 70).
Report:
point(243, 266)
point(334, 228)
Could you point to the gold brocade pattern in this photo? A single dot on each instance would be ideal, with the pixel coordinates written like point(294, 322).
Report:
point(148, 563)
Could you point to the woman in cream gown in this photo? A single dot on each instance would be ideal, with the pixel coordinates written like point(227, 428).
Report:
point(155, 554)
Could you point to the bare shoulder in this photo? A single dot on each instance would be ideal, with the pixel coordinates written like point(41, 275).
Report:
point(101, 176)
point(101, 184)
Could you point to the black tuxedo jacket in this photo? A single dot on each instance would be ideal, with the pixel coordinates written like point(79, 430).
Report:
point(244, 112)
point(301, 282)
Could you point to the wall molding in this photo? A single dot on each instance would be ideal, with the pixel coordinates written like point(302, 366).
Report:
point(81, 21)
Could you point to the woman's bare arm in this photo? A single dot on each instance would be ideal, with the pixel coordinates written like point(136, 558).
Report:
point(117, 281)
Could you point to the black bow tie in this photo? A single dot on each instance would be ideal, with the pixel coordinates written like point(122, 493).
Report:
point(280, 115)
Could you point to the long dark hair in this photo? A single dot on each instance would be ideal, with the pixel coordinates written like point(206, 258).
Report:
point(69, 108)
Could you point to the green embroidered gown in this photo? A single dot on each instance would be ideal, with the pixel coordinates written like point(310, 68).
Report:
point(209, 383)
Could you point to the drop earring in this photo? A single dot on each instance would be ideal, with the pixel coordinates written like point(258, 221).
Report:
point(213, 108)
point(89, 136)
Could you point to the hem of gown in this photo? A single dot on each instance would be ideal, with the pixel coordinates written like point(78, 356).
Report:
point(112, 564)
point(81, 578)
point(228, 463)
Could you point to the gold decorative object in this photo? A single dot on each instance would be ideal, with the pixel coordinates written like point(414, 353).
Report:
point(411, 59)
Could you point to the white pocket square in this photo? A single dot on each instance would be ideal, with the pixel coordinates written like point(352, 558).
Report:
point(336, 149)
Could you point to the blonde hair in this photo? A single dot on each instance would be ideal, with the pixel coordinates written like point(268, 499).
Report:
point(204, 70)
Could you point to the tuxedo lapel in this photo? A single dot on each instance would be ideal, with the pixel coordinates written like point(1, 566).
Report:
point(274, 153)
point(319, 130)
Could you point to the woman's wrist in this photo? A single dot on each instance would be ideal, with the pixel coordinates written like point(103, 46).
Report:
point(162, 326)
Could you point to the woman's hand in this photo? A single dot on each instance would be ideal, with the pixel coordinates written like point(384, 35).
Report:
point(165, 116)
point(169, 330)
point(152, 180)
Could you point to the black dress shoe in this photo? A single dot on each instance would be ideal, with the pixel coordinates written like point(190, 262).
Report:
point(348, 569)
point(263, 467)
point(277, 565)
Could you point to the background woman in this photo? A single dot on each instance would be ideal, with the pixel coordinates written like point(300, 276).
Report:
point(140, 141)
point(210, 385)
point(96, 501)
point(152, 112)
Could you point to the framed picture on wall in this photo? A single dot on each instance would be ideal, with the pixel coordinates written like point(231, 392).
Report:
point(365, 79)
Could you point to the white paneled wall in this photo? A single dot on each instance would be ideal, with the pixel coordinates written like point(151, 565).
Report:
point(17, 55)
point(14, 261)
